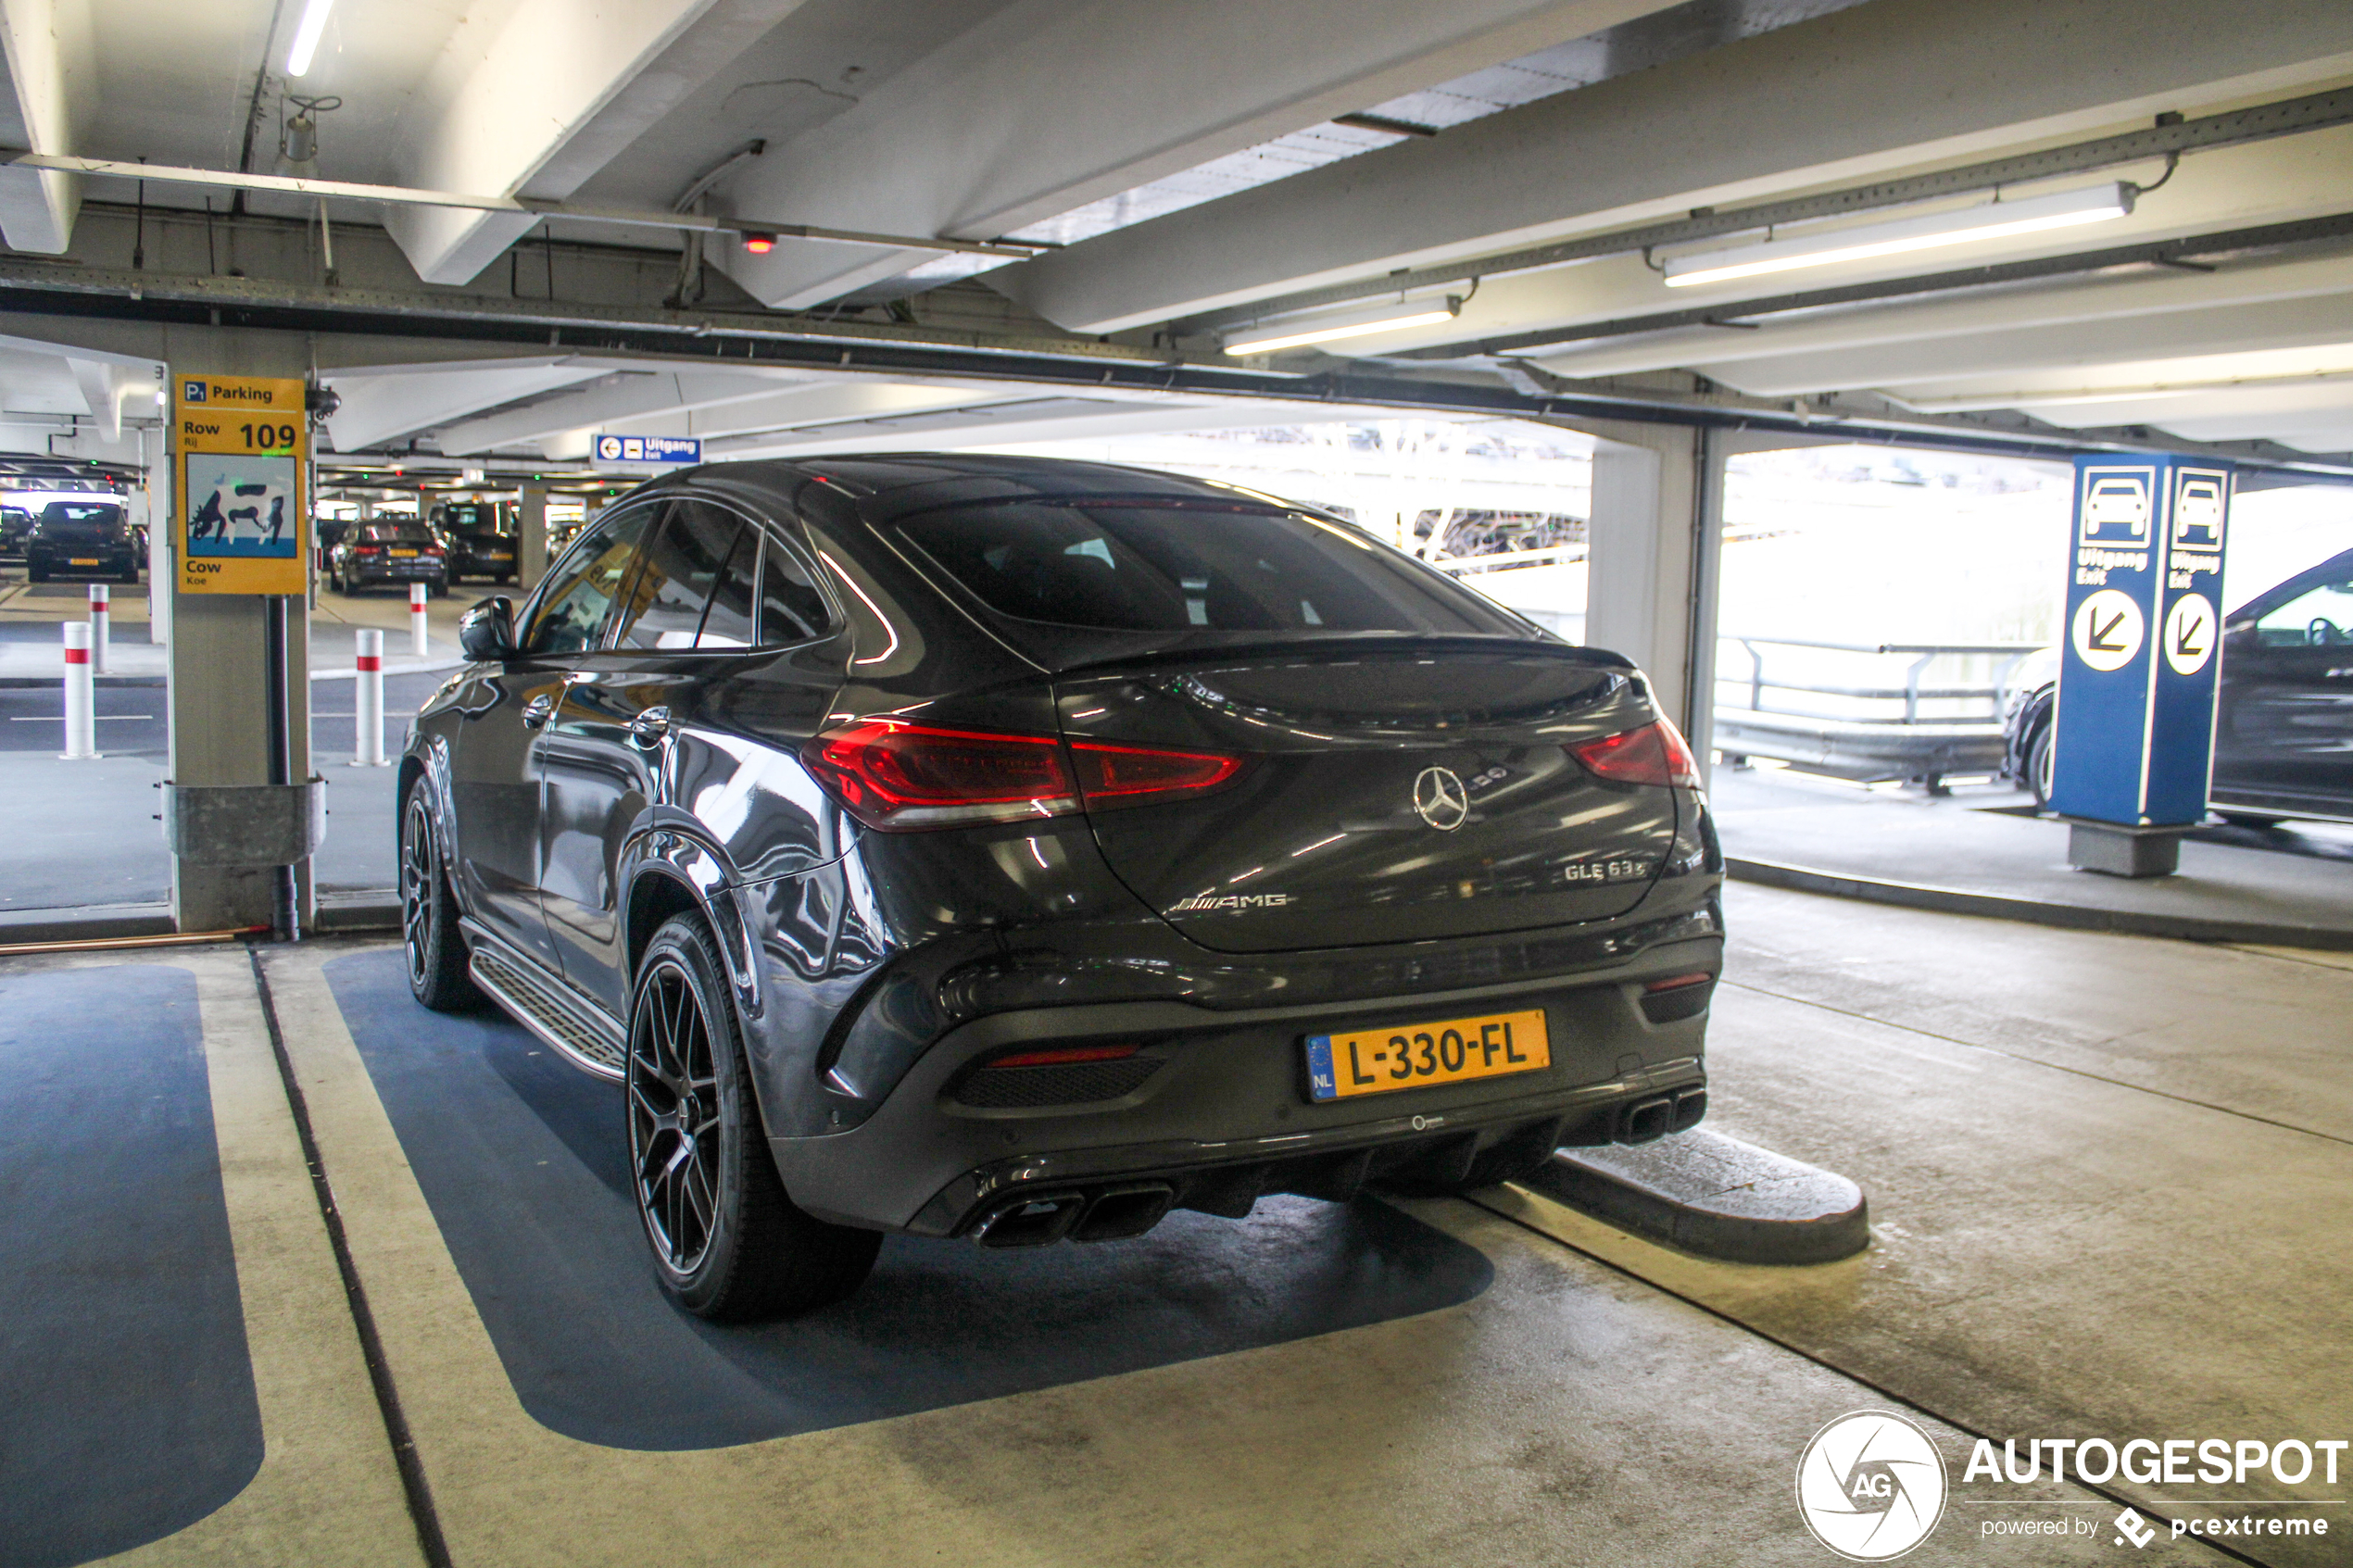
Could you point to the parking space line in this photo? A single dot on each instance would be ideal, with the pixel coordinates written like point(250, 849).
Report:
point(327, 1492)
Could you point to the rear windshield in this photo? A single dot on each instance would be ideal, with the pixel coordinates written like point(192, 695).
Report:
point(395, 533)
point(86, 514)
point(1157, 566)
point(475, 520)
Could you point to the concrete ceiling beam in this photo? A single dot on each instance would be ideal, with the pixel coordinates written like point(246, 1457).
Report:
point(536, 102)
point(1893, 86)
point(2151, 297)
point(46, 101)
point(380, 409)
point(630, 394)
point(1050, 104)
point(2276, 324)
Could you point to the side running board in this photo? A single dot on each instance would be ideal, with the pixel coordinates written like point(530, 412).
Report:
point(581, 1032)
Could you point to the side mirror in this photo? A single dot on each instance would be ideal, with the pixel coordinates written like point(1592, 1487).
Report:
point(486, 633)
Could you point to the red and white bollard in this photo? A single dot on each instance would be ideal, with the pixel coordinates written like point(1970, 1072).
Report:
point(368, 702)
point(81, 731)
point(101, 617)
point(417, 619)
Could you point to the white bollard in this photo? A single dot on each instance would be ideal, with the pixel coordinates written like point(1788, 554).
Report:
point(368, 702)
point(101, 617)
point(417, 619)
point(82, 737)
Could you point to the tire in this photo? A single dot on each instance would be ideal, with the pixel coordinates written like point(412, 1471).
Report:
point(131, 574)
point(728, 1244)
point(436, 951)
point(440, 590)
point(35, 573)
point(2260, 821)
point(2039, 752)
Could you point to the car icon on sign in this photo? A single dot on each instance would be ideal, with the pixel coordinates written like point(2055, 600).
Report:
point(2119, 503)
point(2197, 516)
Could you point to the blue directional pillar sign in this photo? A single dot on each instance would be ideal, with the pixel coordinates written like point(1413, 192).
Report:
point(2135, 738)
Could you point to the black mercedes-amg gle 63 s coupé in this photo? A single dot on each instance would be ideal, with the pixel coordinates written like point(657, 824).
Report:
point(1018, 849)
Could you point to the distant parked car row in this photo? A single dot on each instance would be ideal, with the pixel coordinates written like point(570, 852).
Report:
point(456, 540)
point(2284, 718)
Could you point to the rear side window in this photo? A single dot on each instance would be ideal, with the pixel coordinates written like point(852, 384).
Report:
point(666, 600)
point(1156, 566)
point(791, 609)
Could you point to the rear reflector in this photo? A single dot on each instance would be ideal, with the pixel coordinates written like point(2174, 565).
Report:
point(1652, 755)
point(1126, 775)
point(1066, 1055)
point(890, 775)
point(1677, 982)
point(894, 775)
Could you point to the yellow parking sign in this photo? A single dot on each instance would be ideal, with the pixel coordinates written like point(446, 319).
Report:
point(243, 525)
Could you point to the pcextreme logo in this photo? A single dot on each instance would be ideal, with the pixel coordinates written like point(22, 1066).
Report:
point(1871, 1486)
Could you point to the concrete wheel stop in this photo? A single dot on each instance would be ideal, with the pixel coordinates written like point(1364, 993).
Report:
point(1714, 1196)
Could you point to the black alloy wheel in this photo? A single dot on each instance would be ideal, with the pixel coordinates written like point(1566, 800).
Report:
point(728, 1244)
point(2039, 752)
point(438, 974)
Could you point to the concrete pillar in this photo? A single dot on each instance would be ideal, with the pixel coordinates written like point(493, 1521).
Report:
point(531, 541)
point(1656, 536)
point(155, 457)
point(219, 666)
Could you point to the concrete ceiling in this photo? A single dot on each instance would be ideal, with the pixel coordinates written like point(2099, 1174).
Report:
point(1183, 165)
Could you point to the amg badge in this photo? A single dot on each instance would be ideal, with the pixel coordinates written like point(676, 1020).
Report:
point(1235, 902)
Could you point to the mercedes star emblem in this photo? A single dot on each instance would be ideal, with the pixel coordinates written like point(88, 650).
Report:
point(1440, 799)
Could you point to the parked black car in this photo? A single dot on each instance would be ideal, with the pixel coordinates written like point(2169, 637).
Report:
point(479, 538)
point(394, 552)
point(2283, 711)
point(1018, 849)
point(90, 539)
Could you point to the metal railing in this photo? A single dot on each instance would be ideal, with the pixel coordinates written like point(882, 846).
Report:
point(1964, 735)
point(1912, 693)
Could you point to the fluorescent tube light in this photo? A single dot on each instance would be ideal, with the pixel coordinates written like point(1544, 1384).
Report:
point(305, 38)
point(1393, 317)
point(1990, 220)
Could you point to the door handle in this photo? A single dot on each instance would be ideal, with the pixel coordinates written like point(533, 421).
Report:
point(539, 710)
point(649, 727)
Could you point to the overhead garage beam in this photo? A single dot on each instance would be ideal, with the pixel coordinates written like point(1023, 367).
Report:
point(536, 105)
point(51, 79)
point(1049, 104)
point(377, 408)
point(641, 394)
point(1894, 85)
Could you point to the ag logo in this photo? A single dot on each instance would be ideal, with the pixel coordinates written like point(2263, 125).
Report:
point(1440, 799)
point(1871, 1486)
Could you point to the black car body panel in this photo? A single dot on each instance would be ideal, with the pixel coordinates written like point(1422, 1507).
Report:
point(590, 791)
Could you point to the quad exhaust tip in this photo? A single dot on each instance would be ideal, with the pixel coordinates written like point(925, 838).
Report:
point(1111, 1213)
point(1648, 1119)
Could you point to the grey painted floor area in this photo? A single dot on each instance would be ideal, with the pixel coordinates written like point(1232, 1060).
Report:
point(2109, 1179)
point(1949, 843)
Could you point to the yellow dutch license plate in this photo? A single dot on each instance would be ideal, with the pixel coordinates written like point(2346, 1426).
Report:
point(404, 552)
point(1413, 1056)
point(84, 560)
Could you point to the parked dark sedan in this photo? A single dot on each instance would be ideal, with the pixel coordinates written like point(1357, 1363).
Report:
point(1018, 849)
point(2284, 712)
point(90, 539)
point(389, 554)
point(480, 538)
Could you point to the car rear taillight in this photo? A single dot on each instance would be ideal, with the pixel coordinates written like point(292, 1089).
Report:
point(896, 775)
point(891, 774)
point(1112, 776)
point(1654, 754)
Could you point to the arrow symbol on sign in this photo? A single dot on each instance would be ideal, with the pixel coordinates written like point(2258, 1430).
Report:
point(2099, 643)
point(2190, 628)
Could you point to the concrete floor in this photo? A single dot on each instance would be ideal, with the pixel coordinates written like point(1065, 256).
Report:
point(2110, 1180)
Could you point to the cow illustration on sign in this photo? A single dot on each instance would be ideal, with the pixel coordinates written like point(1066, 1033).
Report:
point(243, 505)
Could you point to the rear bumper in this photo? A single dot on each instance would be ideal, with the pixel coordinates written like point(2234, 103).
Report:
point(1225, 1115)
point(360, 574)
